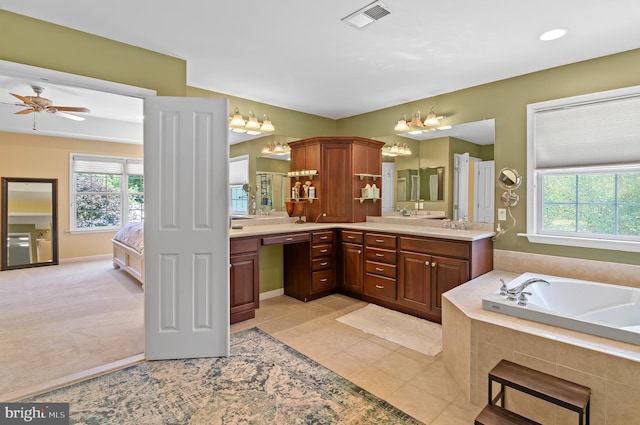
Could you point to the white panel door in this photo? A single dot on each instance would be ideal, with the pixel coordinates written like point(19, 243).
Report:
point(186, 231)
point(460, 185)
point(485, 191)
point(388, 187)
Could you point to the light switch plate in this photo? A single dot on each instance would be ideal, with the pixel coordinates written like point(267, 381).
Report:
point(502, 214)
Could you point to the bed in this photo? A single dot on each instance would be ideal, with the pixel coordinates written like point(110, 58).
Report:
point(128, 250)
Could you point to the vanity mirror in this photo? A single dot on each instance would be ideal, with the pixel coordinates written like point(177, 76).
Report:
point(29, 222)
point(420, 184)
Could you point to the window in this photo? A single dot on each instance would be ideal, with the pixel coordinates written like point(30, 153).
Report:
point(584, 171)
point(238, 177)
point(106, 192)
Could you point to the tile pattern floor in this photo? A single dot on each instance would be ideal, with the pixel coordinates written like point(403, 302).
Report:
point(418, 384)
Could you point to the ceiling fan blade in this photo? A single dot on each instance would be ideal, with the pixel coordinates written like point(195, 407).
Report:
point(70, 108)
point(71, 117)
point(24, 99)
point(25, 111)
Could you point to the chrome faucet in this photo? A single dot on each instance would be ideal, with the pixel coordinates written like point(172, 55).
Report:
point(513, 293)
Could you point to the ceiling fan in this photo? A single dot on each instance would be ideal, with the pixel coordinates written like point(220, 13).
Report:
point(39, 104)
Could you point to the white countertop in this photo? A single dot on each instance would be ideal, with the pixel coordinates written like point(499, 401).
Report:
point(276, 226)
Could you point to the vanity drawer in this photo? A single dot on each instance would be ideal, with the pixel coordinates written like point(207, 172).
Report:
point(321, 250)
point(382, 269)
point(239, 245)
point(380, 241)
point(353, 237)
point(321, 263)
point(322, 280)
point(381, 255)
point(380, 287)
point(435, 247)
point(285, 239)
point(321, 237)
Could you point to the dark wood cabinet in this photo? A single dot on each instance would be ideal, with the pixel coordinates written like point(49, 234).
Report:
point(340, 162)
point(415, 280)
point(244, 278)
point(309, 271)
point(380, 267)
point(352, 262)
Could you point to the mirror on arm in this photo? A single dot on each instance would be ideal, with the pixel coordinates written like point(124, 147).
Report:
point(29, 222)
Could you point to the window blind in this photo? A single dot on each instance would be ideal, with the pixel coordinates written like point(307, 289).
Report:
point(83, 164)
point(135, 167)
point(239, 170)
point(597, 133)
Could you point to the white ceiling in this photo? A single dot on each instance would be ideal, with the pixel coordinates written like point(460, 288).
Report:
point(298, 54)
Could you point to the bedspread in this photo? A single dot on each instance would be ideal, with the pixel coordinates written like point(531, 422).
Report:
point(132, 235)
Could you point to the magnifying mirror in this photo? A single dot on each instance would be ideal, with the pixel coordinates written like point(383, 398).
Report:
point(509, 179)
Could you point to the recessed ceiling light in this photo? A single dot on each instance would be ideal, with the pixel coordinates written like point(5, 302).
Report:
point(553, 34)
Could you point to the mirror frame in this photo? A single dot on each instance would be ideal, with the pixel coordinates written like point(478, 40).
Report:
point(5, 221)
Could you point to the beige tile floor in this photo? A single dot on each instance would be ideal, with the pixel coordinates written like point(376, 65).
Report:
point(418, 384)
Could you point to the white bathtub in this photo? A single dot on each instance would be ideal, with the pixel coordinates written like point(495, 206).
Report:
point(595, 308)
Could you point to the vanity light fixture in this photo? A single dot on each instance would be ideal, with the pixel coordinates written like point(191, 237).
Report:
point(417, 126)
point(276, 148)
point(251, 126)
point(396, 150)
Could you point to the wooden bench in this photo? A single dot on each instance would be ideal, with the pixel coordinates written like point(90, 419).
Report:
point(550, 388)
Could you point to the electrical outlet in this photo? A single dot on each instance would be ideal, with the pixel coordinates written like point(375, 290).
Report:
point(502, 214)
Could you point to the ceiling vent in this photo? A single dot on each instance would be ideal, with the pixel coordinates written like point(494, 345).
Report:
point(367, 15)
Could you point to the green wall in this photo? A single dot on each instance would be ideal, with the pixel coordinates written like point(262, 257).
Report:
point(58, 48)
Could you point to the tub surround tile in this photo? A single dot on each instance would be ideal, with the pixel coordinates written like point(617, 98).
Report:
point(610, 368)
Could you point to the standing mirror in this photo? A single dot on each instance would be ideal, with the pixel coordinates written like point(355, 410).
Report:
point(29, 222)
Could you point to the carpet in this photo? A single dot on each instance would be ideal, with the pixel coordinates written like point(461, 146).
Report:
point(403, 329)
point(263, 381)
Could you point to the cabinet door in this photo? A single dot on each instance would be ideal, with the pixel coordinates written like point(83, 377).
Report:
point(336, 177)
point(244, 290)
point(447, 274)
point(352, 267)
point(414, 278)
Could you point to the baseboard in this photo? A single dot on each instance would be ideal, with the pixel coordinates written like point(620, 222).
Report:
point(88, 258)
point(271, 294)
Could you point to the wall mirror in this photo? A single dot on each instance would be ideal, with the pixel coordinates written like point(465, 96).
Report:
point(420, 184)
point(29, 222)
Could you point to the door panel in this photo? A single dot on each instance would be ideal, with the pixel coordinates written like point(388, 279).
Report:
point(186, 228)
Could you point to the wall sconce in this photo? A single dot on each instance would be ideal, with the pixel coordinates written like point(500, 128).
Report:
point(251, 126)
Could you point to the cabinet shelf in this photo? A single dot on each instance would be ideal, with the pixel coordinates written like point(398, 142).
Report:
point(310, 200)
point(299, 174)
point(364, 199)
point(373, 176)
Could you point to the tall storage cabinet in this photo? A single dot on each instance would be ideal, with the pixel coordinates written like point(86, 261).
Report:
point(345, 165)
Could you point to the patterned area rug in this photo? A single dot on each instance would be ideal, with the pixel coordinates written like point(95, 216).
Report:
point(263, 382)
point(412, 332)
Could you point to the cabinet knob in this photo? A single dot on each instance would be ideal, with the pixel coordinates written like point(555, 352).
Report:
point(426, 263)
point(434, 264)
point(359, 252)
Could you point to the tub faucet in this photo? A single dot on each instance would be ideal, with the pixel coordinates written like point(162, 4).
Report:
point(512, 294)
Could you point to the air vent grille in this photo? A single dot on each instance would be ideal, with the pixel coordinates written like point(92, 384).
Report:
point(367, 15)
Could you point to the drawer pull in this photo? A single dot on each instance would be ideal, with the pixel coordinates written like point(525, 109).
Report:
point(379, 255)
point(351, 237)
point(324, 280)
point(426, 263)
point(379, 240)
point(324, 264)
point(323, 250)
point(288, 239)
point(379, 286)
point(379, 269)
point(324, 237)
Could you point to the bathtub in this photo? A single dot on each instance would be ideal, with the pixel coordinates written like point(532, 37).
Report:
point(599, 309)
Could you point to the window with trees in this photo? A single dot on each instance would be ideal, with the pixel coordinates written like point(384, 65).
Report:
point(238, 177)
point(106, 192)
point(583, 174)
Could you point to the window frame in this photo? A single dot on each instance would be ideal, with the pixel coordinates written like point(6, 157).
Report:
point(534, 232)
point(123, 191)
point(235, 181)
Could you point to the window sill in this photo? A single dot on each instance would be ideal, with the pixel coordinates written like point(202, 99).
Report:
point(628, 246)
point(101, 230)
